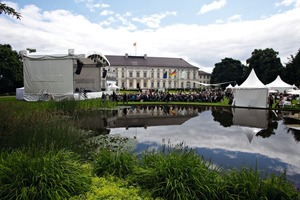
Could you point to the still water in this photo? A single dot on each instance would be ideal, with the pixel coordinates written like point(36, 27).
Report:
point(229, 137)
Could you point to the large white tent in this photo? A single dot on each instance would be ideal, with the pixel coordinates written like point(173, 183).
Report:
point(251, 93)
point(279, 85)
point(52, 76)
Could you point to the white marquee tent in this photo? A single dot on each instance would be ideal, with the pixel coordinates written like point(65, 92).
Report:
point(279, 85)
point(51, 76)
point(251, 93)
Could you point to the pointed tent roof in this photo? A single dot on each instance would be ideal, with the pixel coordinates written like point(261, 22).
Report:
point(229, 86)
point(252, 82)
point(278, 82)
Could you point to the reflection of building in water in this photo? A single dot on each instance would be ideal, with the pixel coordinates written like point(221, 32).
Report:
point(251, 121)
point(144, 116)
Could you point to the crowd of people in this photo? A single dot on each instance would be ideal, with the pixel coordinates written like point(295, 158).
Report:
point(212, 96)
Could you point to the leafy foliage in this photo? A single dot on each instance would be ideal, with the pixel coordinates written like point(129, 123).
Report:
point(118, 163)
point(11, 69)
point(42, 175)
point(113, 188)
point(177, 174)
point(293, 70)
point(228, 70)
point(9, 11)
point(249, 184)
point(266, 63)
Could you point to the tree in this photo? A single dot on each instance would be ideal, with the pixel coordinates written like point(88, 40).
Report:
point(228, 70)
point(292, 70)
point(9, 11)
point(266, 64)
point(11, 69)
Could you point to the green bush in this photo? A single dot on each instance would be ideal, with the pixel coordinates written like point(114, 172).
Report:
point(113, 188)
point(51, 175)
point(118, 163)
point(177, 174)
point(250, 184)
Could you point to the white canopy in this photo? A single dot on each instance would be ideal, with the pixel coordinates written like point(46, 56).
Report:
point(280, 85)
point(251, 93)
point(229, 86)
point(113, 86)
point(292, 91)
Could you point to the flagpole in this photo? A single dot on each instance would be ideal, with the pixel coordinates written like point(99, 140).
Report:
point(135, 46)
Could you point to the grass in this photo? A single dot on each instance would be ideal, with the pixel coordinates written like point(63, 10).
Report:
point(177, 174)
point(42, 175)
point(117, 163)
point(180, 173)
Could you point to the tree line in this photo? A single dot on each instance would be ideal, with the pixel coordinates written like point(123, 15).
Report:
point(266, 64)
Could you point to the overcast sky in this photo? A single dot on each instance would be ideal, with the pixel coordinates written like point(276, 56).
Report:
point(200, 31)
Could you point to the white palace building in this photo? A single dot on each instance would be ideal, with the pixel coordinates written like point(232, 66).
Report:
point(141, 72)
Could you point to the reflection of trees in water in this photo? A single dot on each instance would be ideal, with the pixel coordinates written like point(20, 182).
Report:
point(296, 134)
point(222, 115)
point(95, 121)
point(272, 125)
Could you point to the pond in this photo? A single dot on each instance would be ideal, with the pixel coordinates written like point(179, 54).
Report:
point(229, 137)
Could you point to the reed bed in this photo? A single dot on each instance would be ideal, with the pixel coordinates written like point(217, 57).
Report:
point(180, 173)
point(117, 163)
point(43, 175)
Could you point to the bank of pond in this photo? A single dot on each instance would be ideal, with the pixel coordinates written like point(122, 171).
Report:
point(46, 154)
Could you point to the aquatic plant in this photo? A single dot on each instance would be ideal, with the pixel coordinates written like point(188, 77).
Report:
point(113, 188)
point(177, 174)
point(117, 163)
point(41, 175)
point(253, 184)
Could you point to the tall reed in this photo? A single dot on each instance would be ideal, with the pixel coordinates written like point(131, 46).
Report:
point(251, 184)
point(118, 163)
point(42, 175)
point(177, 174)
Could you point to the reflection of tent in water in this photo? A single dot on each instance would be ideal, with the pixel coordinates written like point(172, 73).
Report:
point(251, 121)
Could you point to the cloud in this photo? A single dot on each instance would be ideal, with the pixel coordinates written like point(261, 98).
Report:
point(153, 21)
point(215, 5)
point(91, 5)
point(106, 12)
point(56, 31)
point(288, 3)
point(235, 18)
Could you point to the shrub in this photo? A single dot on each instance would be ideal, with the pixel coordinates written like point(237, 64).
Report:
point(118, 163)
point(177, 174)
point(249, 184)
point(113, 188)
point(51, 175)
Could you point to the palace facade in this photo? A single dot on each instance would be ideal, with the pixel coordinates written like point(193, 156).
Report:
point(143, 72)
point(140, 72)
